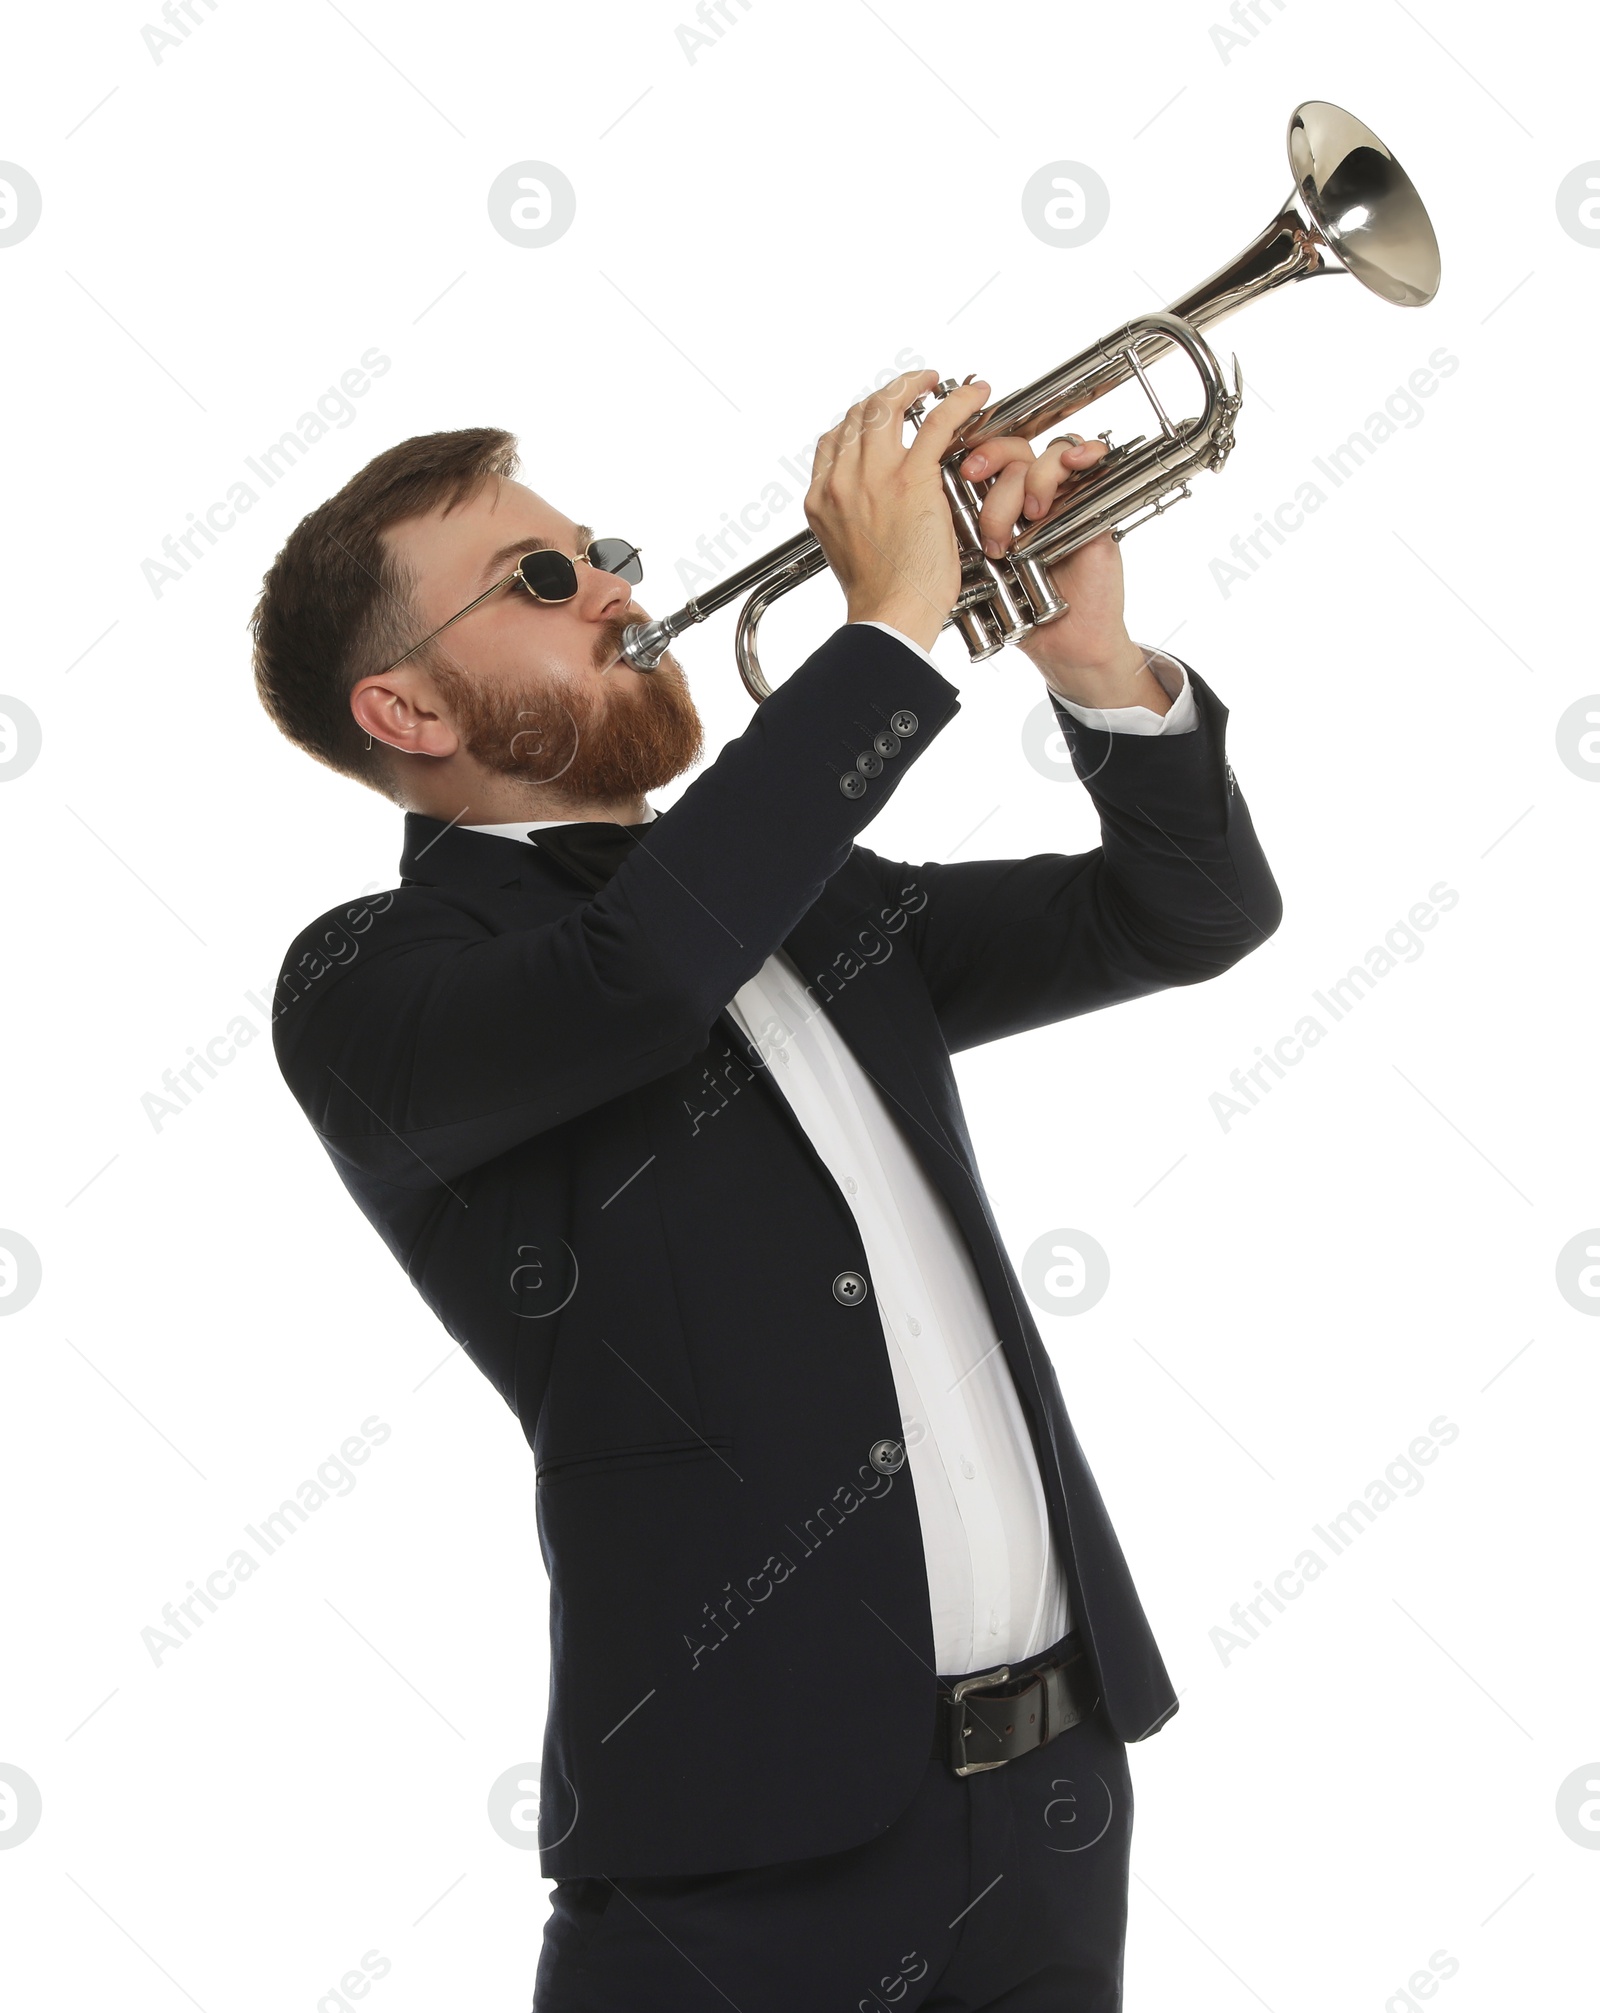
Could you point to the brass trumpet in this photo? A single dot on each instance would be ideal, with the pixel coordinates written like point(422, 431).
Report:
point(1352, 209)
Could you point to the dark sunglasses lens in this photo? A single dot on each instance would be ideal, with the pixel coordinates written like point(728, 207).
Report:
point(616, 555)
point(549, 575)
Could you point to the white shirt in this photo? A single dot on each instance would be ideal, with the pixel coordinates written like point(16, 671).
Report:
point(996, 1585)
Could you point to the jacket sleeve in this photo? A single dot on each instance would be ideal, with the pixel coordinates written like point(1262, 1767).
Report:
point(1176, 892)
point(443, 1040)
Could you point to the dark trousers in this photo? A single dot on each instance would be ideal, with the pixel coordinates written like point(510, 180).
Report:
point(1006, 1891)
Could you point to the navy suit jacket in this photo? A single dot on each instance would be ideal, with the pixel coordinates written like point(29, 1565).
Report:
point(535, 1094)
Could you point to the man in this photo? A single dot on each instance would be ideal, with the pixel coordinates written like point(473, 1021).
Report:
point(658, 1114)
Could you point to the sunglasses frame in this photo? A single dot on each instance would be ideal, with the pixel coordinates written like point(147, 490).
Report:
point(517, 574)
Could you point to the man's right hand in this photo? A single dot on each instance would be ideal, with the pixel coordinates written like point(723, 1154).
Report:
point(880, 513)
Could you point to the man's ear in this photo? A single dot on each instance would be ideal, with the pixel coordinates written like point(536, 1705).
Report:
point(403, 709)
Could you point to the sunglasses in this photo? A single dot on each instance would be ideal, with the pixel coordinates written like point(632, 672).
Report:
point(550, 576)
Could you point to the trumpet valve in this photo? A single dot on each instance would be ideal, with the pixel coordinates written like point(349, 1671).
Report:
point(979, 631)
point(1044, 603)
point(918, 407)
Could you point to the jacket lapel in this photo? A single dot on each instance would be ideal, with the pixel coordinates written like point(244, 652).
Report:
point(865, 1022)
point(858, 1013)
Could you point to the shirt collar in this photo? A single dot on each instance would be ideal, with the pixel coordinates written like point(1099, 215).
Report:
point(523, 829)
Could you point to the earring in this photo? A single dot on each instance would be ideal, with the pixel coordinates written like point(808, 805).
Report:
point(369, 744)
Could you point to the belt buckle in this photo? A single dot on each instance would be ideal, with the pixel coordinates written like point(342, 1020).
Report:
point(958, 1692)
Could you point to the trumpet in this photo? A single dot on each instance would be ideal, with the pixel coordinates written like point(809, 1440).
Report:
point(1351, 209)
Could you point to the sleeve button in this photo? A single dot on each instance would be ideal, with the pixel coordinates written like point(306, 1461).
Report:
point(886, 743)
point(869, 764)
point(904, 723)
point(853, 785)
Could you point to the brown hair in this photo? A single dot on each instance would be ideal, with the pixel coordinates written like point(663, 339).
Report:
point(336, 605)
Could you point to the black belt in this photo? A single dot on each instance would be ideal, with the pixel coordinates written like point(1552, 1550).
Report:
point(992, 1717)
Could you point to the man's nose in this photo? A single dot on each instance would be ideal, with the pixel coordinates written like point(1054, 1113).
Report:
point(604, 594)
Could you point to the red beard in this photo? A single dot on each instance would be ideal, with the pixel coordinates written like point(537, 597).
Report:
point(576, 745)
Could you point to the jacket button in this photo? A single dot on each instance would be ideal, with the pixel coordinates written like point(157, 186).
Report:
point(869, 763)
point(886, 743)
point(850, 1289)
point(852, 784)
point(887, 1456)
point(904, 723)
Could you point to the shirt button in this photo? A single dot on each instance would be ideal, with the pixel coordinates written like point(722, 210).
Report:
point(887, 1456)
point(967, 1468)
point(853, 785)
point(904, 723)
point(849, 1185)
point(850, 1289)
point(914, 1326)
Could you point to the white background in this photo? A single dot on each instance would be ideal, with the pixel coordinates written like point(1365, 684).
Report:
point(758, 233)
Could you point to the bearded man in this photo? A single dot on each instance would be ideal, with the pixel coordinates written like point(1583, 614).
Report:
point(658, 1113)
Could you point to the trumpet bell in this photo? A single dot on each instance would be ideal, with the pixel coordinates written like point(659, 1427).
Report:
point(1363, 203)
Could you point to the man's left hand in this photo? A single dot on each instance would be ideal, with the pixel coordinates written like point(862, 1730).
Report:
point(1086, 655)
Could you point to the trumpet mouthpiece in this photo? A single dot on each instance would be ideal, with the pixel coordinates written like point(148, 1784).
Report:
point(644, 644)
